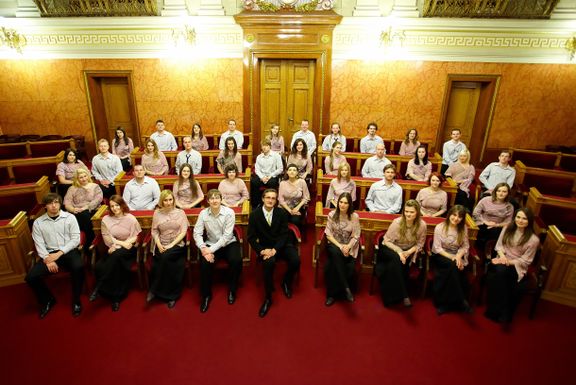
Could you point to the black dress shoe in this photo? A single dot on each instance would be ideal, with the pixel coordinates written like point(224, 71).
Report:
point(286, 289)
point(329, 301)
point(171, 304)
point(349, 296)
point(94, 294)
point(47, 307)
point(265, 307)
point(441, 310)
point(406, 302)
point(149, 297)
point(115, 306)
point(204, 305)
point(466, 308)
point(231, 297)
point(76, 309)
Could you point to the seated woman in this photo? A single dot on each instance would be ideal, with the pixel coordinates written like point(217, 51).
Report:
point(120, 231)
point(343, 234)
point(300, 158)
point(199, 141)
point(432, 199)
point(233, 189)
point(333, 137)
point(65, 170)
point(420, 167)
point(334, 160)
point(276, 140)
point(449, 258)
point(410, 143)
point(341, 184)
point(402, 242)
point(154, 160)
point(462, 172)
point(293, 195)
point(187, 191)
point(230, 155)
point(169, 227)
point(122, 146)
point(82, 200)
point(515, 249)
point(491, 214)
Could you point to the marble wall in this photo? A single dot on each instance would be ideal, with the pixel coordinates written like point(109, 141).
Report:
point(536, 100)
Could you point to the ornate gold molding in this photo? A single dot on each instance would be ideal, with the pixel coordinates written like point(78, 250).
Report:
point(489, 8)
point(72, 8)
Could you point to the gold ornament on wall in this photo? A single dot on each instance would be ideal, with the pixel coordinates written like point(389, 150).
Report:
point(571, 47)
point(12, 39)
point(288, 5)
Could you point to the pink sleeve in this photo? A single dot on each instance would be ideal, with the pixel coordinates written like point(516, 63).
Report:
point(164, 163)
point(238, 161)
point(305, 191)
point(281, 192)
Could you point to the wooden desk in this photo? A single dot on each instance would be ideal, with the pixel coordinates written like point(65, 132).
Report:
point(15, 245)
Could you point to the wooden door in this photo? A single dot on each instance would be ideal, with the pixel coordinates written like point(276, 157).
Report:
point(286, 95)
point(117, 102)
point(462, 108)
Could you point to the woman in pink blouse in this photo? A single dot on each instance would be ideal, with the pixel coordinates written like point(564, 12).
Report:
point(65, 170)
point(341, 184)
point(169, 227)
point(515, 250)
point(420, 167)
point(122, 146)
point(432, 199)
point(299, 157)
point(449, 258)
point(199, 141)
point(410, 143)
point(293, 195)
point(82, 200)
point(120, 231)
point(402, 242)
point(154, 160)
point(276, 140)
point(334, 160)
point(491, 214)
point(463, 173)
point(233, 189)
point(229, 155)
point(343, 235)
point(187, 191)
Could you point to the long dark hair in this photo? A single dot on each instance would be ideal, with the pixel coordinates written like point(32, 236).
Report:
point(407, 139)
point(404, 226)
point(117, 139)
point(68, 151)
point(304, 149)
point(494, 196)
point(350, 211)
point(227, 151)
point(461, 228)
point(510, 230)
point(192, 181)
point(200, 133)
point(424, 160)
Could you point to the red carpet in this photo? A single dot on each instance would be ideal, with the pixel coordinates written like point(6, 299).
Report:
point(299, 342)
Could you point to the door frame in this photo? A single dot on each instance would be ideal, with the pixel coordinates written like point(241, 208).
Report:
point(96, 101)
point(484, 112)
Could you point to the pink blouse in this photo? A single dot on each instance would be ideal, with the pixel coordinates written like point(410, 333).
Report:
point(409, 240)
point(223, 162)
point(432, 201)
point(168, 225)
point(234, 192)
point(344, 230)
point(338, 187)
point(155, 166)
point(521, 256)
point(448, 241)
point(304, 164)
point(122, 228)
point(67, 169)
point(487, 210)
point(277, 144)
point(333, 169)
point(123, 150)
point(183, 193)
point(462, 175)
point(200, 144)
point(89, 195)
point(292, 194)
point(418, 171)
point(408, 149)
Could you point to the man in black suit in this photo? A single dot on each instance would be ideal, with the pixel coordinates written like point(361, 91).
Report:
point(270, 237)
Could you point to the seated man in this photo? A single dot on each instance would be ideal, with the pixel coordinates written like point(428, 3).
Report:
point(271, 239)
point(217, 222)
point(498, 172)
point(105, 168)
point(266, 171)
point(374, 166)
point(189, 156)
point(164, 139)
point(142, 192)
point(232, 132)
point(385, 195)
point(56, 236)
point(369, 142)
point(451, 150)
point(306, 135)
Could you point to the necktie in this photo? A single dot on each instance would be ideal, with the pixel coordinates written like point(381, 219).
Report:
point(188, 158)
point(269, 218)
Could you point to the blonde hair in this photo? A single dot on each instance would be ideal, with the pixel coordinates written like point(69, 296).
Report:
point(163, 195)
point(77, 173)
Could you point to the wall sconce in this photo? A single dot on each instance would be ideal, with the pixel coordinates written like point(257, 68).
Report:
point(12, 39)
point(392, 37)
point(571, 47)
point(185, 36)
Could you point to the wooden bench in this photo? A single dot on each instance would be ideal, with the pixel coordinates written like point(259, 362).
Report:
point(23, 197)
point(559, 254)
point(35, 149)
point(544, 159)
point(547, 181)
point(213, 140)
point(15, 245)
point(353, 144)
point(29, 170)
point(410, 188)
point(552, 210)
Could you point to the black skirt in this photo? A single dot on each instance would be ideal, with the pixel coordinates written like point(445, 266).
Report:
point(450, 286)
point(113, 273)
point(393, 276)
point(167, 273)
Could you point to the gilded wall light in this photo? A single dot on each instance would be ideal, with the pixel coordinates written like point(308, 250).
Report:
point(184, 36)
point(12, 39)
point(571, 47)
point(392, 37)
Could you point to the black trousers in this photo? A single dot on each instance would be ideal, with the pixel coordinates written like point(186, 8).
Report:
point(125, 164)
point(108, 191)
point(256, 184)
point(463, 199)
point(298, 220)
point(393, 276)
point(504, 292)
point(113, 273)
point(338, 272)
point(84, 219)
point(485, 234)
point(450, 286)
point(229, 253)
point(72, 262)
point(168, 273)
point(288, 254)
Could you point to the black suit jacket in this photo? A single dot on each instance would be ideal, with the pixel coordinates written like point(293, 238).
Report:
point(262, 236)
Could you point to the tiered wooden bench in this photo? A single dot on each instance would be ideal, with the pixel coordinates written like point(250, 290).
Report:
point(547, 181)
point(15, 245)
point(25, 197)
point(353, 144)
point(29, 170)
point(559, 254)
point(552, 210)
point(544, 159)
point(35, 149)
point(213, 140)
